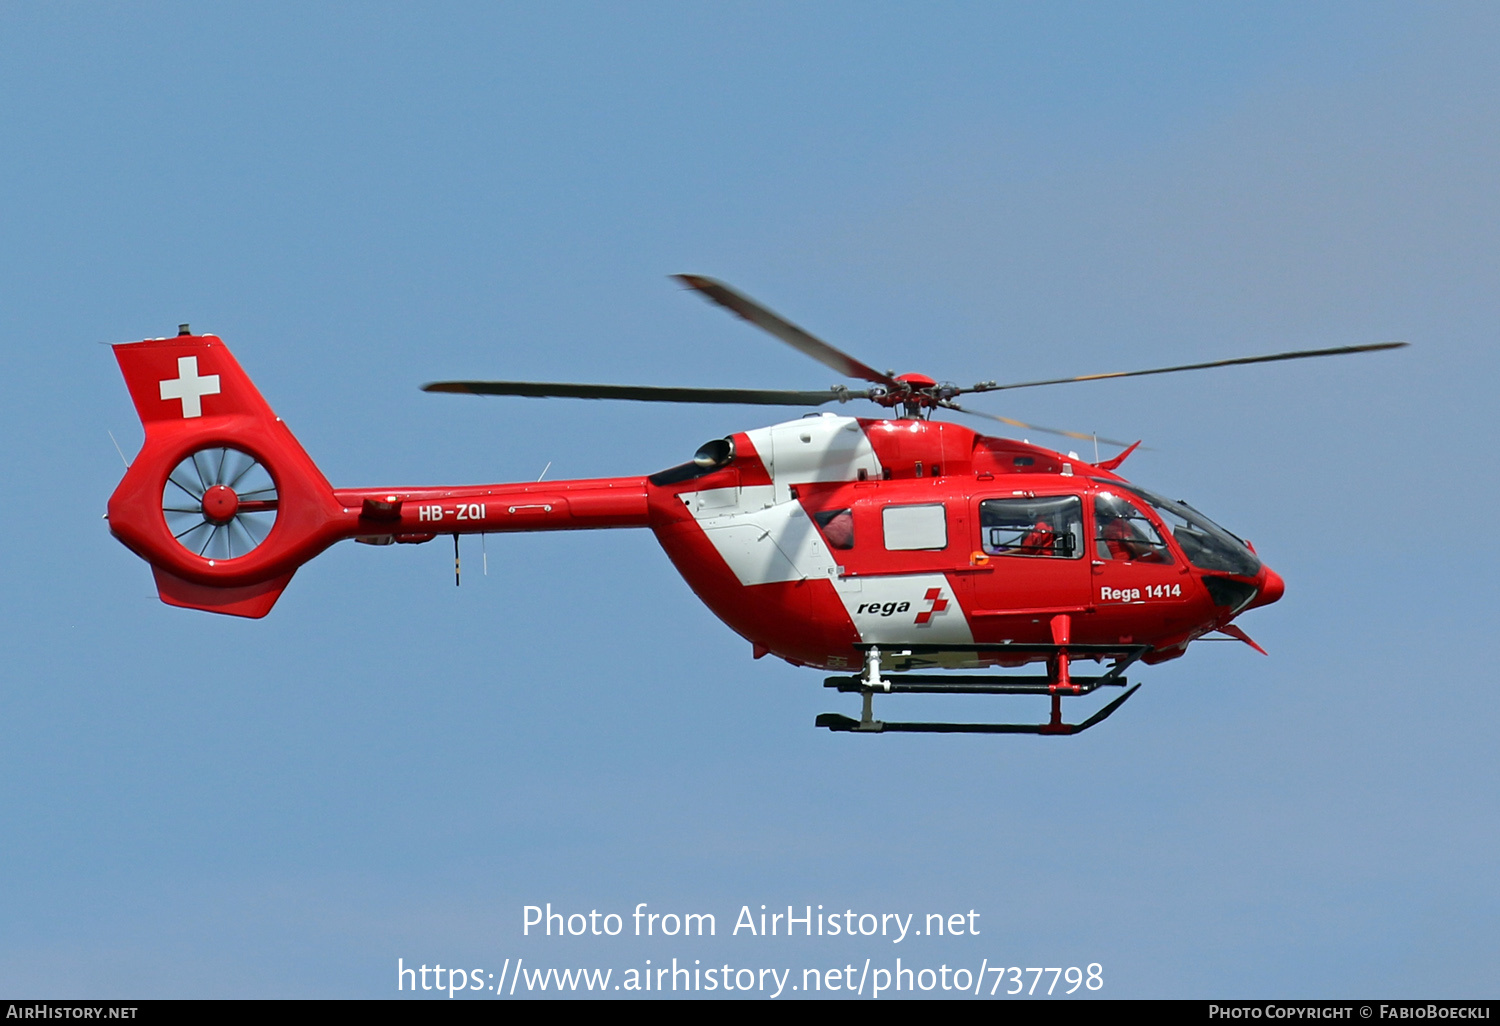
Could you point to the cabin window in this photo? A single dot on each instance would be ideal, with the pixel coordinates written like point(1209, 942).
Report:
point(837, 526)
point(1122, 532)
point(915, 527)
point(1045, 526)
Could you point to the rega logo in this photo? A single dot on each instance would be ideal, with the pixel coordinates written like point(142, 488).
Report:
point(883, 609)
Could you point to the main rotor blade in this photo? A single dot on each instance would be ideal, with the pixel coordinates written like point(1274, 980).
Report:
point(784, 329)
point(1031, 427)
point(1301, 354)
point(648, 393)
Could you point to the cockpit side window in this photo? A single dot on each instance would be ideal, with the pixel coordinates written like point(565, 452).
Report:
point(1044, 526)
point(1122, 532)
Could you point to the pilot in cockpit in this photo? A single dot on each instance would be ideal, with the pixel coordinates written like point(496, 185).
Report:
point(1124, 533)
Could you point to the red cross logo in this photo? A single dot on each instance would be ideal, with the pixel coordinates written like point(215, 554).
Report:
point(938, 604)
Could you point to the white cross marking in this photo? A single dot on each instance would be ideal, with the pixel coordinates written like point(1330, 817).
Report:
point(189, 387)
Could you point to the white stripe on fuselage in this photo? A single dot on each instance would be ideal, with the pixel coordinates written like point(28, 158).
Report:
point(825, 447)
point(762, 542)
point(766, 536)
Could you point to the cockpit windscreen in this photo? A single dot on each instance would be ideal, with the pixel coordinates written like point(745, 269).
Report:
point(1206, 545)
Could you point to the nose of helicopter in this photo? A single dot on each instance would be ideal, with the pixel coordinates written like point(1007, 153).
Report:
point(1271, 589)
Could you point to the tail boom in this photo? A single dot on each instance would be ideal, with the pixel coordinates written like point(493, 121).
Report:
point(248, 506)
point(413, 514)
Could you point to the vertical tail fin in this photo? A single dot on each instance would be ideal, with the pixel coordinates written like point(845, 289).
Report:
point(222, 501)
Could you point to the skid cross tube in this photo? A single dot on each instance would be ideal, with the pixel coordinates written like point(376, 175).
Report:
point(938, 684)
point(1028, 648)
point(871, 681)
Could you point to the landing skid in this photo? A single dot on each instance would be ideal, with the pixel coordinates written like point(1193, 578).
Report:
point(835, 721)
point(1056, 684)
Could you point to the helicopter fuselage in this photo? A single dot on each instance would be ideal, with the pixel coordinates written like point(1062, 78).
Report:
point(818, 536)
point(828, 533)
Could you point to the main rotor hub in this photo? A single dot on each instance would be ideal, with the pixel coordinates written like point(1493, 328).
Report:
point(915, 393)
point(220, 504)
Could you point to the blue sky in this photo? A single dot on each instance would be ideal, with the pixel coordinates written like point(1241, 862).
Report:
point(360, 198)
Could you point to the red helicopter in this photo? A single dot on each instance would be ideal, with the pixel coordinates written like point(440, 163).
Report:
point(905, 545)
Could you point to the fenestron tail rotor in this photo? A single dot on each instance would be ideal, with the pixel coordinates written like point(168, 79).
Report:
point(917, 395)
point(219, 503)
